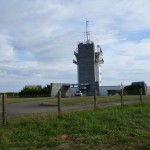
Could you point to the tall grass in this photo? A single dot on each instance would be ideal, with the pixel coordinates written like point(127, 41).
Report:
point(126, 127)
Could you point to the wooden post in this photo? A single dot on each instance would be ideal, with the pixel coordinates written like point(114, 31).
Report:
point(121, 96)
point(141, 99)
point(95, 99)
point(59, 104)
point(4, 99)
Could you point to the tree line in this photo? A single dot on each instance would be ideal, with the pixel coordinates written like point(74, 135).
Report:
point(35, 91)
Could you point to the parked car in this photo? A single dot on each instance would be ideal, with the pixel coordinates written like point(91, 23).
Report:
point(78, 93)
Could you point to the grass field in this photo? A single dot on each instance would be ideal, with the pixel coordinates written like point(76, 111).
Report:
point(76, 100)
point(89, 100)
point(119, 128)
point(25, 99)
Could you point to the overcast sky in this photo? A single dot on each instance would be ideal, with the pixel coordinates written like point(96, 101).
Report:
point(38, 38)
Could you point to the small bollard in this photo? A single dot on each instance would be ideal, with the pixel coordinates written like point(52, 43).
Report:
point(95, 99)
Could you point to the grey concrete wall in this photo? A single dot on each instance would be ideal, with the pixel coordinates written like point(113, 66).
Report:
point(63, 87)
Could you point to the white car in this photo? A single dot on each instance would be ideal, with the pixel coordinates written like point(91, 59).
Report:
point(78, 93)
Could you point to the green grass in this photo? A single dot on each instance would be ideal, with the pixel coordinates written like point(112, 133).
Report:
point(76, 100)
point(89, 100)
point(119, 128)
point(25, 99)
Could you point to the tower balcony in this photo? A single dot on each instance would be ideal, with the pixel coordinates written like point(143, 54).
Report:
point(75, 62)
point(101, 61)
point(76, 55)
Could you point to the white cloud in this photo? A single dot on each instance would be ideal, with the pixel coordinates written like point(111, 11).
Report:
point(37, 40)
point(127, 61)
point(6, 48)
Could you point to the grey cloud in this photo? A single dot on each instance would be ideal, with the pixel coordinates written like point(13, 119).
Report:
point(39, 38)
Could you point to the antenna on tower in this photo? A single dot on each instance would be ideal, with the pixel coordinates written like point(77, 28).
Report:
point(87, 32)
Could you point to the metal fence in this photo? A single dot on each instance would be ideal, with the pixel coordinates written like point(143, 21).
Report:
point(0, 109)
point(30, 105)
point(95, 101)
point(3, 100)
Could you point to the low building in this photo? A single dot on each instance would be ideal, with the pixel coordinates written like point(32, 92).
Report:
point(103, 90)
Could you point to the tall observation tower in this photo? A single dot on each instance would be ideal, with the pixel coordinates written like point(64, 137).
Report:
point(88, 61)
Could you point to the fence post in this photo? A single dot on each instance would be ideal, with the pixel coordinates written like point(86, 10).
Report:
point(122, 96)
point(141, 99)
point(4, 98)
point(95, 99)
point(59, 104)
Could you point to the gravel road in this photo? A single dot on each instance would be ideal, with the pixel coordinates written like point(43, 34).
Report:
point(27, 108)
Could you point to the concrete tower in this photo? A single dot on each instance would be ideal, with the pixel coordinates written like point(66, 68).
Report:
point(88, 61)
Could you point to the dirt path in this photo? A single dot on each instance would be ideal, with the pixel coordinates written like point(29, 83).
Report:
point(26, 108)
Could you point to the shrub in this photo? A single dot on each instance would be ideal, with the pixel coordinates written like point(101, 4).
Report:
point(113, 92)
point(34, 91)
point(132, 89)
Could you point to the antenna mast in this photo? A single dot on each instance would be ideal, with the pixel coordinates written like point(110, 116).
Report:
point(87, 32)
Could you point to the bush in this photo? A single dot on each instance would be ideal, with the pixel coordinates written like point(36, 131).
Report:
point(34, 91)
point(12, 94)
point(113, 92)
point(132, 89)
